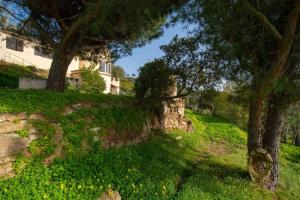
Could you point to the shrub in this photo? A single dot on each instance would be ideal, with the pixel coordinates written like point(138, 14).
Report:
point(154, 80)
point(8, 81)
point(91, 82)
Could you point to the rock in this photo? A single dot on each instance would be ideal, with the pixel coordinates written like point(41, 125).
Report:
point(172, 114)
point(13, 117)
point(2, 117)
point(32, 131)
point(33, 137)
point(12, 144)
point(96, 139)
point(36, 116)
point(179, 138)
point(77, 106)
point(7, 159)
point(8, 127)
point(95, 129)
point(110, 195)
point(6, 169)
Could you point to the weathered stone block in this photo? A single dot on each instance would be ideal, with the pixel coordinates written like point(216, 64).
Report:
point(15, 116)
point(7, 159)
point(11, 144)
point(6, 169)
point(9, 127)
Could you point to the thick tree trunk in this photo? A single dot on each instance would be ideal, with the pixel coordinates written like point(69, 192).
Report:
point(271, 138)
point(58, 70)
point(254, 124)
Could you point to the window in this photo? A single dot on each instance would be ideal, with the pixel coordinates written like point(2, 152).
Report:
point(109, 68)
point(105, 67)
point(14, 44)
point(102, 66)
point(42, 52)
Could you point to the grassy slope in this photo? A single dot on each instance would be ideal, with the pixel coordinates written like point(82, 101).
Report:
point(207, 164)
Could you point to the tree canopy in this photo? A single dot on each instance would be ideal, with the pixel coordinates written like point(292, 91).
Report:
point(88, 28)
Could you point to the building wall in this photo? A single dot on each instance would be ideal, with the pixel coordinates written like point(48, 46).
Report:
point(27, 57)
point(107, 79)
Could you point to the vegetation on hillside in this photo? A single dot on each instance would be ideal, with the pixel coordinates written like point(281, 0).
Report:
point(91, 81)
point(10, 73)
point(209, 163)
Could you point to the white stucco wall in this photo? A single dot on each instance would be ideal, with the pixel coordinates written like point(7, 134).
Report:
point(27, 57)
point(107, 79)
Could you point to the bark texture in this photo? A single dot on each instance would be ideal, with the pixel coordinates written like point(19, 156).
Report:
point(297, 138)
point(254, 124)
point(271, 138)
point(58, 70)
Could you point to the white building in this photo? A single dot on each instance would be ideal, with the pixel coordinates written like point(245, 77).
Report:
point(16, 49)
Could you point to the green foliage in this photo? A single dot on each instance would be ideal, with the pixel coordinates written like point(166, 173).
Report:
point(23, 133)
point(164, 167)
point(228, 109)
point(91, 81)
point(154, 80)
point(118, 72)
point(51, 103)
point(127, 86)
point(126, 83)
point(10, 73)
point(8, 81)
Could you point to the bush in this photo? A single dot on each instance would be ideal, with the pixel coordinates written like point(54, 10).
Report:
point(154, 80)
point(8, 81)
point(91, 82)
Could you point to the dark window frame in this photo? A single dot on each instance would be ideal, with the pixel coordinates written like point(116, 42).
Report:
point(14, 43)
point(38, 51)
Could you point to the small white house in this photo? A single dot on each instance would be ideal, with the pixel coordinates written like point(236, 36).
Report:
point(16, 49)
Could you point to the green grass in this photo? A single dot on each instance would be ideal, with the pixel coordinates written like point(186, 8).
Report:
point(209, 163)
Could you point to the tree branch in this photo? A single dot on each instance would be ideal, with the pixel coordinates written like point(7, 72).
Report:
point(264, 21)
point(11, 14)
point(43, 33)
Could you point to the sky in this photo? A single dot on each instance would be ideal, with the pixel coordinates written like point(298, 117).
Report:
point(149, 52)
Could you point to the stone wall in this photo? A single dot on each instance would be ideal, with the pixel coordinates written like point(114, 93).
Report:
point(32, 83)
point(11, 143)
point(172, 115)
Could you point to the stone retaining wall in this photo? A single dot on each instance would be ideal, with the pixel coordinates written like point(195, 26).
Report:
point(11, 143)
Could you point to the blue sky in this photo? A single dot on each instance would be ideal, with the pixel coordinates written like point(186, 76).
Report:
point(149, 52)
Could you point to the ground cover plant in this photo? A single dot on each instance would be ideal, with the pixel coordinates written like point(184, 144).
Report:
point(10, 73)
point(209, 163)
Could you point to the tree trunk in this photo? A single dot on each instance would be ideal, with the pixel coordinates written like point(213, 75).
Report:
point(254, 124)
point(285, 133)
point(271, 138)
point(297, 138)
point(58, 70)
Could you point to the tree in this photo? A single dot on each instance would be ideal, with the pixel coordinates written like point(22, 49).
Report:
point(118, 72)
point(91, 81)
point(87, 28)
point(181, 68)
point(254, 42)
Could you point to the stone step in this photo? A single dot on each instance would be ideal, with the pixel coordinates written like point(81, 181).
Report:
point(6, 169)
point(11, 117)
point(8, 127)
point(11, 144)
point(7, 159)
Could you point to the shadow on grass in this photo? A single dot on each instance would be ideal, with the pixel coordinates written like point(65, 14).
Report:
point(152, 170)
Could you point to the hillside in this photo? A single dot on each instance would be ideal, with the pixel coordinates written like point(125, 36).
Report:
point(10, 73)
point(209, 163)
